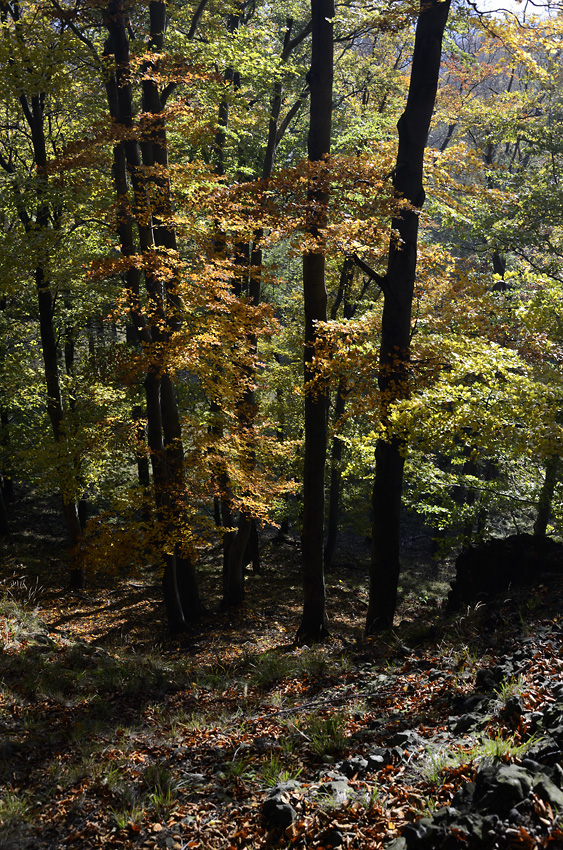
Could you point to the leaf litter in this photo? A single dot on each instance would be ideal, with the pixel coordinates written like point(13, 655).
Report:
point(115, 735)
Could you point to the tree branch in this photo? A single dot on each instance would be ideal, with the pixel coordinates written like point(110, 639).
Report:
point(195, 20)
point(291, 115)
point(379, 279)
point(295, 42)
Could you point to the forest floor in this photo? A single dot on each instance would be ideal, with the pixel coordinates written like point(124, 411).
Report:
point(113, 734)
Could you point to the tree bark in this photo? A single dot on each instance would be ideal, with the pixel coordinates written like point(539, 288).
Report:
point(4, 521)
point(394, 355)
point(546, 496)
point(33, 111)
point(346, 278)
point(155, 229)
point(313, 625)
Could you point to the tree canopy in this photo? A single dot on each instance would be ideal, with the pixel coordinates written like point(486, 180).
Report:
point(227, 256)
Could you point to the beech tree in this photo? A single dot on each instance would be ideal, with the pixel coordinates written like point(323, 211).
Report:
point(313, 624)
point(398, 287)
point(155, 194)
point(34, 83)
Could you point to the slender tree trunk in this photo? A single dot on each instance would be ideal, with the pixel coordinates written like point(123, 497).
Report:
point(5, 480)
point(33, 111)
point(546, 496)
point(164, 431)
point(313, 625)
point(242, 546)
point(346, 278)
point(413, 129)
point(4, 521)
point(335, 477)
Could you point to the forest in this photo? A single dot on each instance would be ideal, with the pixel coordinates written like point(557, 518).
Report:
point(281, 340)
point(290, 268)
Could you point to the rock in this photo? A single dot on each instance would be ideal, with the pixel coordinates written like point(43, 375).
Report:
point(499, 787)
point(548, 791)
point(407, 740)
point(354, 766)
point(494, 566)
point(277, 815)
point(331, 838)
point(338, 789)
point(284, 788)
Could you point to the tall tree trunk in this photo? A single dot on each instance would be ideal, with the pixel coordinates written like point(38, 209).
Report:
point(546, 496)
point(394, 355)
point(335, 477)
point(164, 431)
point(156, 151)
point(313, 625)
point(33, 110)
point(241, 546)
point(4, 521)
point(346, 278)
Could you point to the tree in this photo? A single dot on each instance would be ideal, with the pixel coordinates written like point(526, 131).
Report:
point(33, 47)
point(398, 287)
point(155, 230)
point(313, 624)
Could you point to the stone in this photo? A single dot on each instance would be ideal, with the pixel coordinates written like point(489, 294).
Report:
point(277, 815)
point(338, 789)
point(354, 766)
point(548, 791)
point(501, 787)
point(331, 838)
point(407, 740)
point(491, 567)
point(284, 788)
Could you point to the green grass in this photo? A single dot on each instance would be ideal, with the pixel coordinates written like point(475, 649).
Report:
point(273, 771)
point(326, 734)
point(15, 817)
point(127, 816)
point(437, 764)
point(509, 688)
